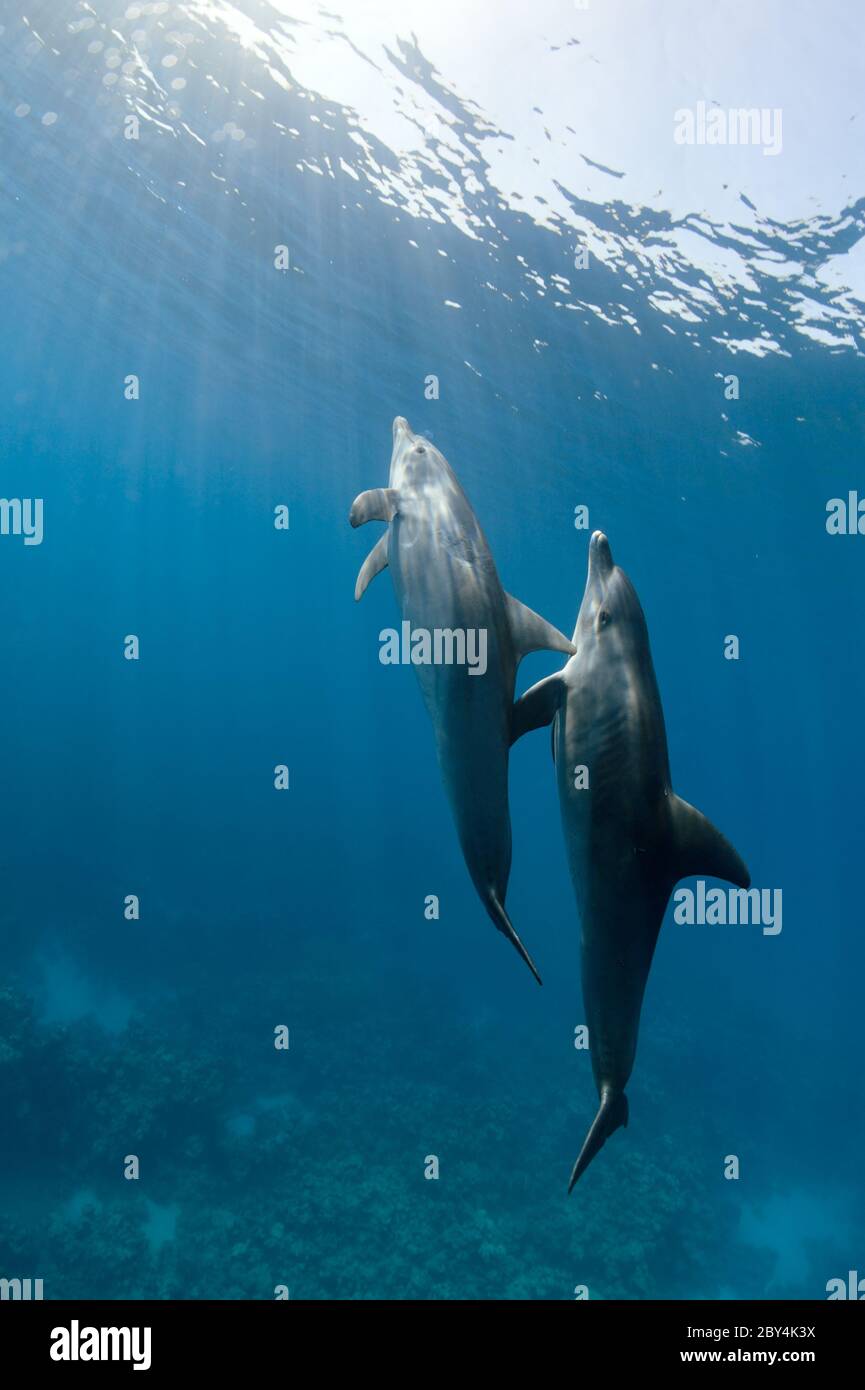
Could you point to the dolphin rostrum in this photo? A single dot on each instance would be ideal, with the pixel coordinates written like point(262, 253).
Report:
point(629, 837)
point(446, 584)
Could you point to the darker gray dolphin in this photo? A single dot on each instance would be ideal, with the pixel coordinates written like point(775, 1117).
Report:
point(446, 581)
point(629, 837)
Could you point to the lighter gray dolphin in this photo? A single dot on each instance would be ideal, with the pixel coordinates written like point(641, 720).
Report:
point(629, 837)
point(446, 581)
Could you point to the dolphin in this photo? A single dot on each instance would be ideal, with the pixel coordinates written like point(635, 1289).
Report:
point(445, 581)
point(629, 837)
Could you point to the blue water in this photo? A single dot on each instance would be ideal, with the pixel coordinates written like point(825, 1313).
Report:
point(261, 388)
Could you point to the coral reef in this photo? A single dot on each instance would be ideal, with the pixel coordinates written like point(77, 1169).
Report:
point(306, 1168)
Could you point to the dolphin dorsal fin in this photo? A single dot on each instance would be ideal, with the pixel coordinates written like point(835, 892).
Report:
point(698, 848)
point(532, 633)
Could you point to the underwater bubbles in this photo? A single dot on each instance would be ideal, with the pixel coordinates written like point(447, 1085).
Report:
point(230, 131)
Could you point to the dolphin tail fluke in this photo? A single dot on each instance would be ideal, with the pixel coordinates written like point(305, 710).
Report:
point(503, 922)
point(612, 1115)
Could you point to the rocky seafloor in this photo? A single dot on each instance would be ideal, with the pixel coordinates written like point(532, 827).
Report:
point(305, 1168)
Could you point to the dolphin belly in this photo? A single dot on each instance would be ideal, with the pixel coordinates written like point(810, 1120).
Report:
point(470, 715)
point(617, 945)
point(473, 756)
point(610, 842)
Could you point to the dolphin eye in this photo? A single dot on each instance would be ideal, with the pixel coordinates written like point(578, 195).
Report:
point(603, 617)
point(420, 449)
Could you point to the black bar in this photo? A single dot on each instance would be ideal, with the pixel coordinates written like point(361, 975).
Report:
point(229, 1338)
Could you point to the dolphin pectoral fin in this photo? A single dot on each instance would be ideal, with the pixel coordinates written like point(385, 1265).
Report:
point(698, 848)
point(532, 633)
point(503, 922)
point(612, 1115)
point(378, 504)
point(537, 707)
point(375, 562)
